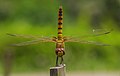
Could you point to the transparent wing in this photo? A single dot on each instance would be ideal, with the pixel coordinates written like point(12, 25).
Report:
point(25, 36)
point(95, 33)
point(26, 43)
point(34, 42)
point(99, 32)
point(37, 39)
point(88, 42)
point(82, 39)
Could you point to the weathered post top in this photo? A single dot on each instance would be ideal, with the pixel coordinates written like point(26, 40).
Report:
point(58, 71)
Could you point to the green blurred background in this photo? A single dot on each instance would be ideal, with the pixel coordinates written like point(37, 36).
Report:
point(39, 17)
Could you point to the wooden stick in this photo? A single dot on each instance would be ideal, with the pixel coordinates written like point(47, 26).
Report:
point(8, 57)
point(57, 71)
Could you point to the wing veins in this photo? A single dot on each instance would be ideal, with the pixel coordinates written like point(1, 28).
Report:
point(67, 38)
point(90, 42)
point(24, 36)
point(32, 42)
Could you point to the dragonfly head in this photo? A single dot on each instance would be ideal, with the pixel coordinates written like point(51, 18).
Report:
point(60, 52)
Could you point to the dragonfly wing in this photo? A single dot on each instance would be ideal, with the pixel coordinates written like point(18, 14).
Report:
point(24, 36)
point(26, 43)
point(95, 33)
point(100, 32)
point(34, 42)
point(93, 42)
point(89, 42)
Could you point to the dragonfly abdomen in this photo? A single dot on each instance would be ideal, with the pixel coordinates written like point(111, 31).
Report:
point(60, 22)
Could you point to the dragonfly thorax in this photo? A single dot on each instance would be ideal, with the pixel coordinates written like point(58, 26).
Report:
point(59, 40)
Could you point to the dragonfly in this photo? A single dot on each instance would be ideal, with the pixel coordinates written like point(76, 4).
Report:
point(59, 40)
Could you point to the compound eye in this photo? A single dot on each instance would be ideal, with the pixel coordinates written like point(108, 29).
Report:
point(62, 49)
point(57, 49)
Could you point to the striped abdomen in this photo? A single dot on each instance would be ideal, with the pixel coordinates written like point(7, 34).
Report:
point(60, 21)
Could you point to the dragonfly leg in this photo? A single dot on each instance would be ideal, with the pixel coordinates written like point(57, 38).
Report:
point(57, 61)
point(61, 60)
